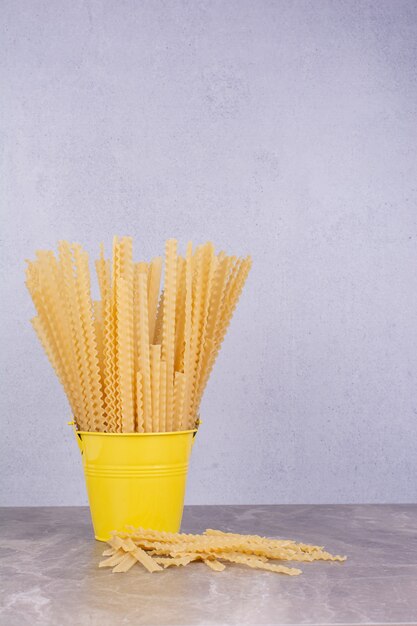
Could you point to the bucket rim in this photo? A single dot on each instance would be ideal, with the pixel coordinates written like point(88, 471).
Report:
point(95, 432)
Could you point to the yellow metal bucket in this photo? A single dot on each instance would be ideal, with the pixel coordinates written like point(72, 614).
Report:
point(135, 479)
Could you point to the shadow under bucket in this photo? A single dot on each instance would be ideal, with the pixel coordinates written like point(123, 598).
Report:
point(135, 479)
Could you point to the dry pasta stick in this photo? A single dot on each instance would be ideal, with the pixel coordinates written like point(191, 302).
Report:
point(140, 555)
point(98, 335)
point(87, 330)
point(47, 286)
point(144, 355)
point(179, 393)
point(180, 315)
point(51, 331)
point(139, 404)
point(219, 279)
point(113, 560)
point(211, 264)
point(126, 313)
point(103, 273)
point(214, 564)
point(163, 396)
point(176, 561)
point(154, 281)
point(258, 563)
point(168, 326)
point(125, 354)
point(77, 332)
point(196, 331)
point(125, 564)
point(84, 294)
point(100, 312)
point(109, 373)
point(126, 259)
point(155, 378)
point(53, 357)
point(157, 338)
point(227, 313)
point(188, 330)
point(137, 269)
point(157, 548)
point(52, 286)
point(71, 305)
point(114, 336)
point(142, 266)
point(147, 561)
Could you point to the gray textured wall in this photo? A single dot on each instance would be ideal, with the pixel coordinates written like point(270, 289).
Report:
point(286, 129)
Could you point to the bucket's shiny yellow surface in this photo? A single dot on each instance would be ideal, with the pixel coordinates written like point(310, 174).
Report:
point(135, 479)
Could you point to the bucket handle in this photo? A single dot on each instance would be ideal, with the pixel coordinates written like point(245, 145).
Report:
point(78, 436)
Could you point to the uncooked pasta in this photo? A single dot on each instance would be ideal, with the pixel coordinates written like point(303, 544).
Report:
point(139, 358)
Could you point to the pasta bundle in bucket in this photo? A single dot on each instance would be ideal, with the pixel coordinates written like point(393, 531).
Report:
point(134, 365)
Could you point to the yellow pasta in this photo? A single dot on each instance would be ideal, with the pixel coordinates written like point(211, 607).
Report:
point(139, 404)
point(114, 336)
point(144, 351)
point(188, 345)
point(98, 335)
point(197, 324)
point(179, 393)
point(48, 326)
point(155, 376)
point(155, 550)
point(74, 329)
point(210, 266)
point(163, 397)
point(168, 327)
point(154, 281)
point(103, 274)
point(180, 315)
point(137, 359)
point(125, 354)
point(157, 335)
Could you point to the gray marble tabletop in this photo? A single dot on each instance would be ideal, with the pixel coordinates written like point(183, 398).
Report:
point(49, 573)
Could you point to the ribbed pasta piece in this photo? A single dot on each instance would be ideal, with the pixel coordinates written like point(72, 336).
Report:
point(144, 352)
point(125, 354)
point(168, 326)
point(154, 281)
point(155, 385)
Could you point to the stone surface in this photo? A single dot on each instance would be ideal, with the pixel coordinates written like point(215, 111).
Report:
point(49, 573)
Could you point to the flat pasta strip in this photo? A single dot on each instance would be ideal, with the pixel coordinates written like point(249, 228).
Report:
point(258, 563)
point(180, 315)
point(126, 563)
point(154, 282)
point(125, 355)
point(113, 560)
point(214, 564)
point(155, 385)
point(157, 336)
point(87, 322)
point(188, 345)
point(139, 403)
point(177, 561)
point(144, 351)
point(168, 326)
point(179, 397)
point(114, 334)
point(157, 550)
point(163, 396)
